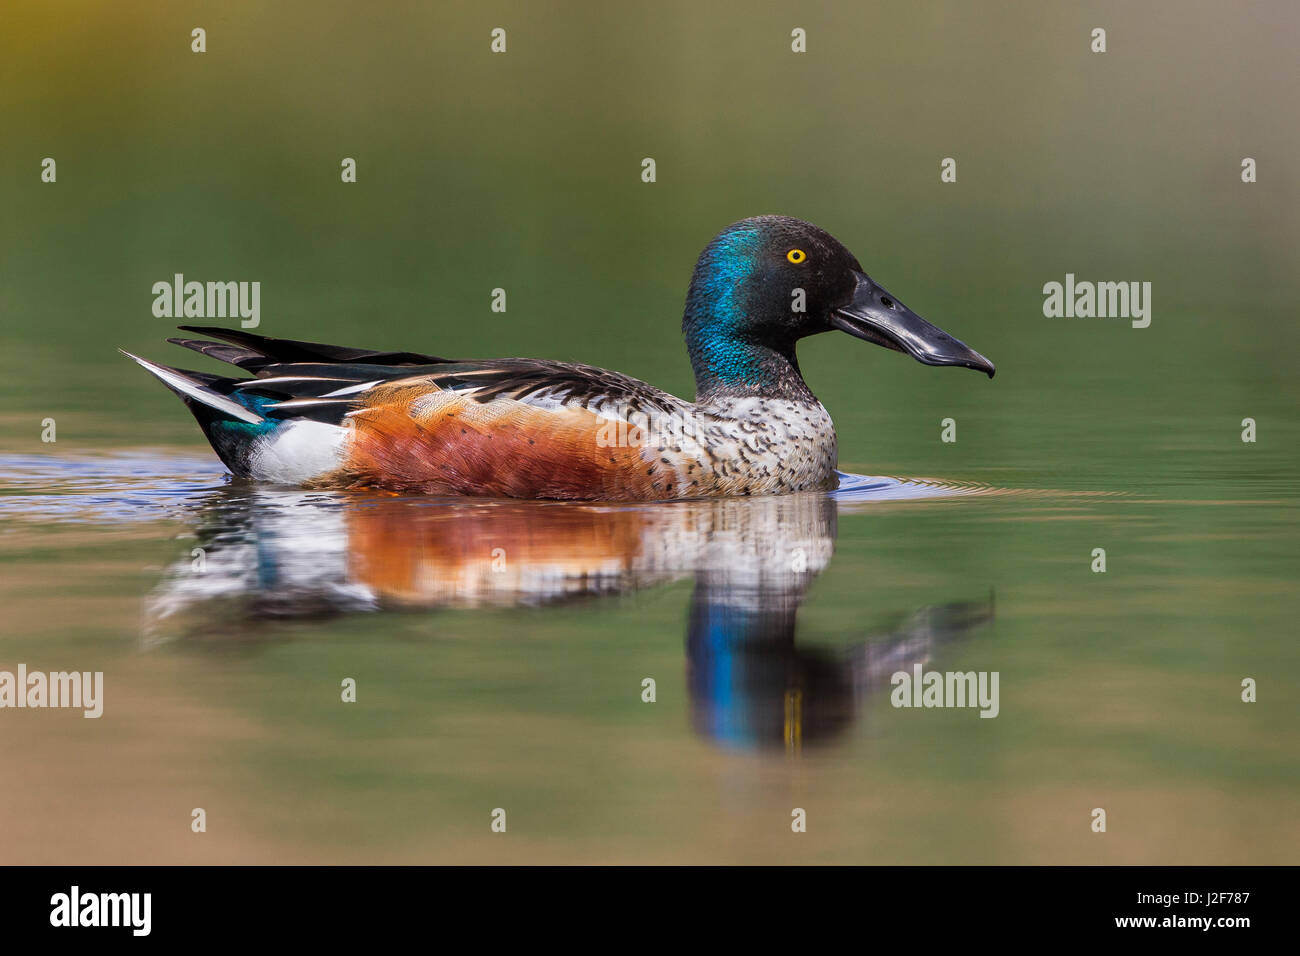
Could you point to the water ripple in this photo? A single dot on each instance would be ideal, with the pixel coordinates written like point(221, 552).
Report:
point(142, 485)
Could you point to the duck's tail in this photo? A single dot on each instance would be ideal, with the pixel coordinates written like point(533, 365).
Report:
point(244, 430)
point(195, 387)
point(285, 423)
point(229, 419)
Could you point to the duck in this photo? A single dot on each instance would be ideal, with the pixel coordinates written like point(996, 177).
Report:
point(322, 416)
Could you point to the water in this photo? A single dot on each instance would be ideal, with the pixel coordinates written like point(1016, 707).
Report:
point(499, 649)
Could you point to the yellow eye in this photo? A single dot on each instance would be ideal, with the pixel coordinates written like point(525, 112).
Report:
point(796, 256)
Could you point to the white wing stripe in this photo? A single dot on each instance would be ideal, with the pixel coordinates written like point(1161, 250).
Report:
point(353, 389)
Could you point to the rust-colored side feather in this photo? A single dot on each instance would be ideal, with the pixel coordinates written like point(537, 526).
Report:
point(413, 438)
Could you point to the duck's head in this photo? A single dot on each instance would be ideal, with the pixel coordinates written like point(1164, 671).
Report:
point(764, 283)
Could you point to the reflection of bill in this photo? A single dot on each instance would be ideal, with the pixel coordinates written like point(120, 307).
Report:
point(272, 555)
point(753, 686)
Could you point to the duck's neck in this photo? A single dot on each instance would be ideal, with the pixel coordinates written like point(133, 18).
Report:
point(730, 366)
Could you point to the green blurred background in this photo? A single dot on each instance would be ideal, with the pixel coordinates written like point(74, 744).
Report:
point(522, 171)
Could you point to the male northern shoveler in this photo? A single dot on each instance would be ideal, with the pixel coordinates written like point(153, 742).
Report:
point(326, 416)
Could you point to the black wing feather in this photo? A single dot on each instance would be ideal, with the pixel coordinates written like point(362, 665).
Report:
point(312, 370)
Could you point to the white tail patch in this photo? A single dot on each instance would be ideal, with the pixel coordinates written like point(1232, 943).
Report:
point(297, 451)
point(197, 391)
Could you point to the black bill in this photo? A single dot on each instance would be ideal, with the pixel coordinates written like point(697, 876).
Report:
point(876, 316)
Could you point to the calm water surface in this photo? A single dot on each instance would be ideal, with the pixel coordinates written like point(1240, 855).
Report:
point(499, 650)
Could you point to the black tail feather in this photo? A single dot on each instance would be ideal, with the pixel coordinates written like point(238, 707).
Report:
point(232, 354)
point(290, 350)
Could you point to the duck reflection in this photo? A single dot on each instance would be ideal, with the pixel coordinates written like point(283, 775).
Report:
point(263, 556)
